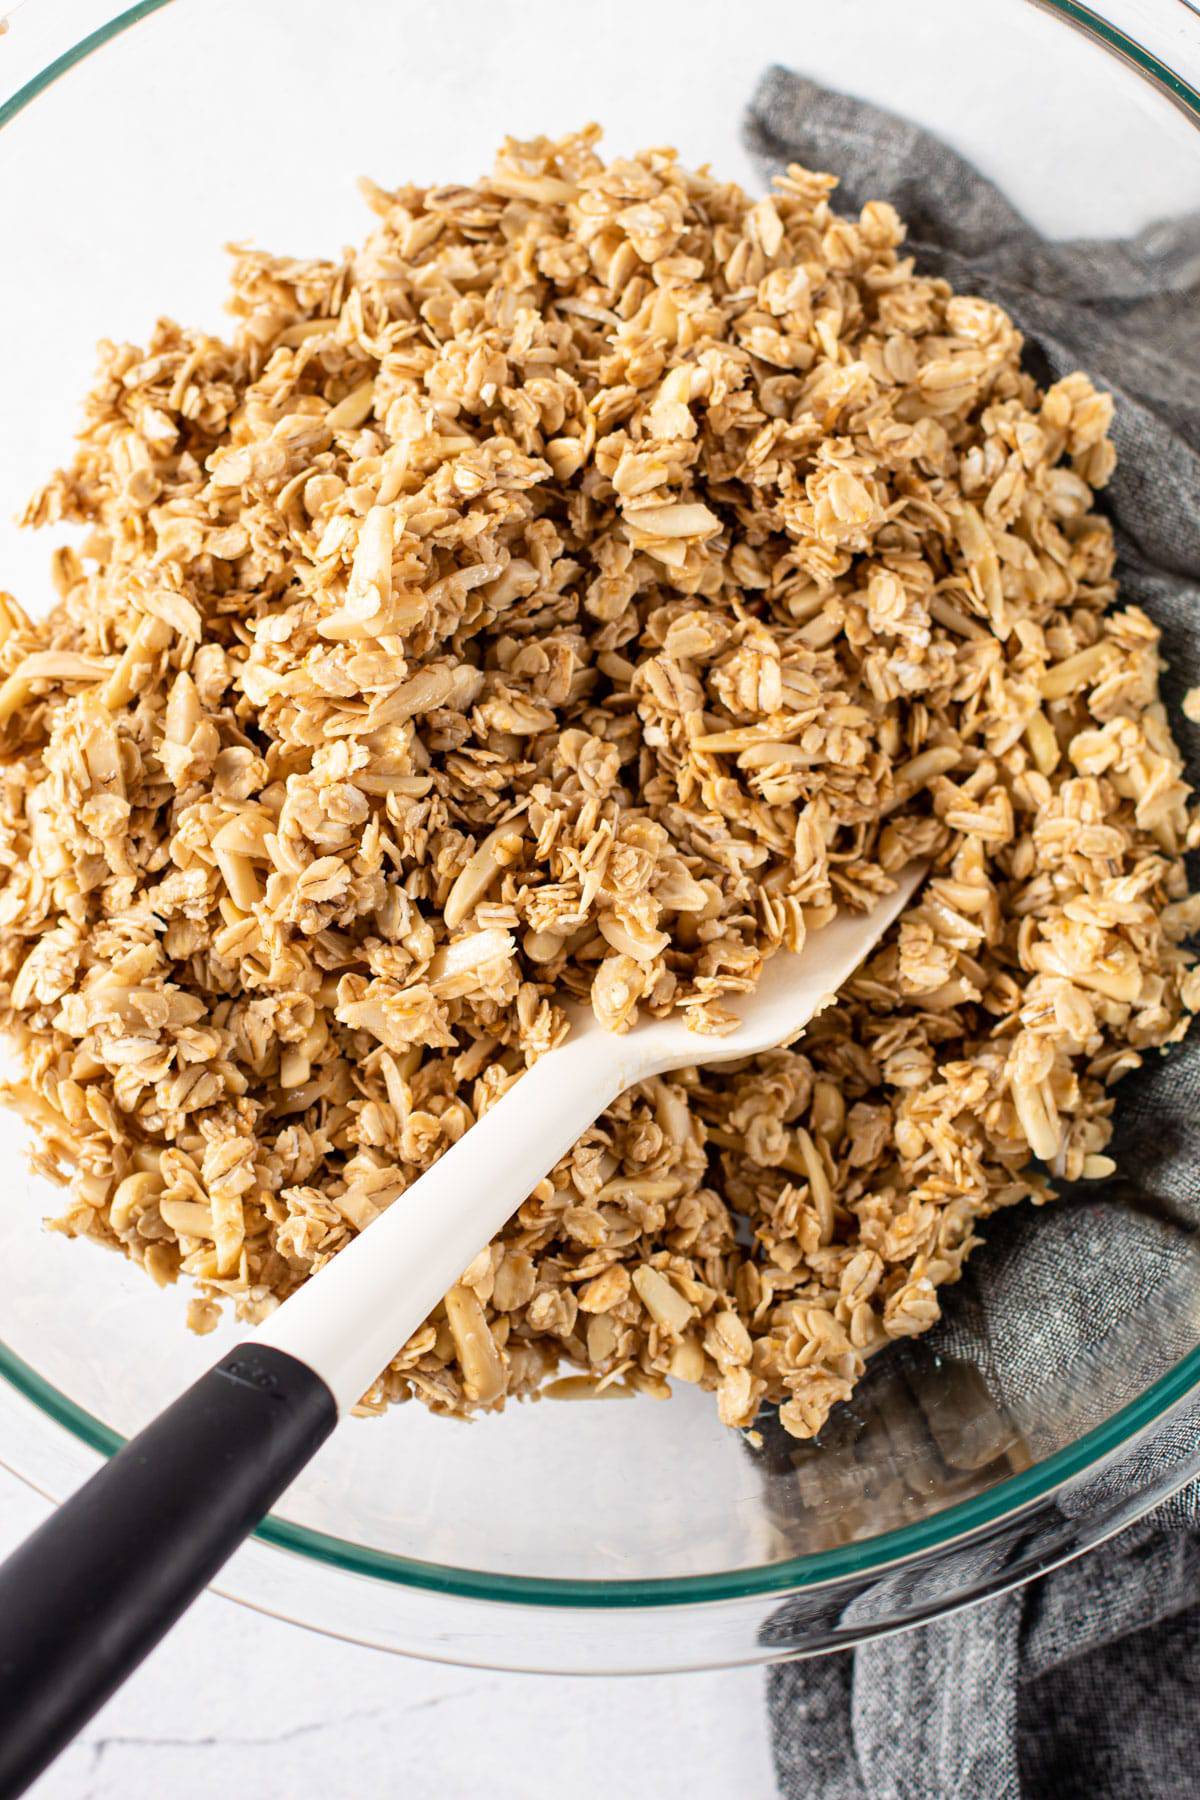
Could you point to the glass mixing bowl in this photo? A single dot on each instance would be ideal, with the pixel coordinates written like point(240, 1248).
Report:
point(584, 1537)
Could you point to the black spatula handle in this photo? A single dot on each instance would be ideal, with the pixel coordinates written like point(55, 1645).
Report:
point(86, 1597)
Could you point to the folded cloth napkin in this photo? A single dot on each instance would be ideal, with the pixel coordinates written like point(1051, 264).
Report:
point(1087, 1682)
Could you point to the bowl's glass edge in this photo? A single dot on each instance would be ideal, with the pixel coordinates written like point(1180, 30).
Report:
point(1118, 42)
point(77, 53)
point(1006, 1499)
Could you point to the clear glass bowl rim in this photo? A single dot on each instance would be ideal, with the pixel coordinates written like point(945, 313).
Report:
point(1009, 1497)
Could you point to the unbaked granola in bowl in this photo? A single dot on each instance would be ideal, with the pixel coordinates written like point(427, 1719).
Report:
point(623, 1534)
point(579, 591)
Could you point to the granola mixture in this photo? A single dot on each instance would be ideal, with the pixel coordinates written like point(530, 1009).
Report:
point(581, 590)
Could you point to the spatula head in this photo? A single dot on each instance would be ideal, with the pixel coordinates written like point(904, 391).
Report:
point(794, 987)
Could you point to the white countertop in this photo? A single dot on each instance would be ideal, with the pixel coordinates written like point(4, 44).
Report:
point(238, 1702)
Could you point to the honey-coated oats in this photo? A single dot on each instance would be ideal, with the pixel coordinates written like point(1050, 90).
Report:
point(579, 591)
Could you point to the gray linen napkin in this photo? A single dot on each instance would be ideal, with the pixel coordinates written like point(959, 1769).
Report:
point(1086, 1683)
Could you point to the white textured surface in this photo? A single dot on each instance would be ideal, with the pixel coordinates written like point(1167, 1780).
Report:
point(240, 1703)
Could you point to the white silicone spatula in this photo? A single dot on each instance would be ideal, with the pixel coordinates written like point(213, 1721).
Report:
point(89, 1594)
point(351, 1320)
